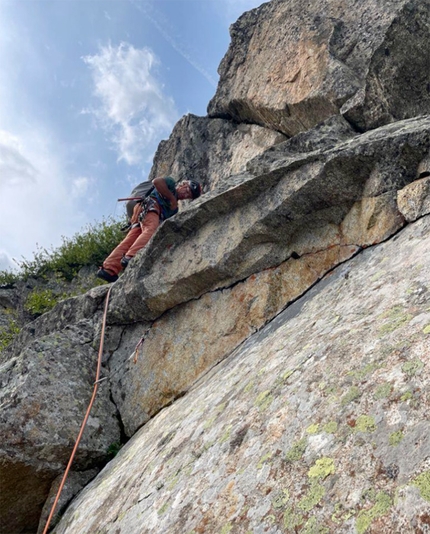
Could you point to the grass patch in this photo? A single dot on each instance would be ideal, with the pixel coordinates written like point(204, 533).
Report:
point(89, 247)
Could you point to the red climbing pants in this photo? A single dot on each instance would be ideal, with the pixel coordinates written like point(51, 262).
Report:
point(136, 239)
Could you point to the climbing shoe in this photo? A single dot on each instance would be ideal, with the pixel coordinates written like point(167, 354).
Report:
point(106, 275)
point(124, 261)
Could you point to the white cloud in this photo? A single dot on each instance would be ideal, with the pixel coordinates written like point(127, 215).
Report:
point(80, 186)
point(6, 262)
point(38, 198)
point(133, 107)
point(15, 168)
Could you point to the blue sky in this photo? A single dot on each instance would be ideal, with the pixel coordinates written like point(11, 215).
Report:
point(88, 90)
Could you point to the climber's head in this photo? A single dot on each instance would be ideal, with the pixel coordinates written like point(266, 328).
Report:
point(188, 189)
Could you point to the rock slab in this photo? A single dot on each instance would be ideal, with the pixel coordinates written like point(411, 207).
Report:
point(318, 423)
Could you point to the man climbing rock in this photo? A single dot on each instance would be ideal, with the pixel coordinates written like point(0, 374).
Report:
point(161, 204)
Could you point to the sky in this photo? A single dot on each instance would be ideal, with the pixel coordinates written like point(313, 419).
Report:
point(88, 90)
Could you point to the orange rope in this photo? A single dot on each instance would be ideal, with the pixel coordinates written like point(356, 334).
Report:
point(84, 422)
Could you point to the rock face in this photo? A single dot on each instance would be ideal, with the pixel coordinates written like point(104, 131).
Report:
point(291, 65)
point(46, 385)
point(282, 380)
point(210, 150)
point(287, 202)
point(318, 423)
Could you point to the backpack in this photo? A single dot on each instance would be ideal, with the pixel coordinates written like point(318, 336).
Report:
point(140, 191)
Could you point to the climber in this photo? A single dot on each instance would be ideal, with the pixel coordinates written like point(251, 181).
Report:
point(159, 205)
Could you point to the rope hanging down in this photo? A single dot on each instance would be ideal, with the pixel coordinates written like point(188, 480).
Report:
point(84, 422)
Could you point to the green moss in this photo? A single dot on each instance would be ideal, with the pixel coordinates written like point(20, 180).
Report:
point(221, 407)
point(378, 275)
point(226, 528)
point(312, 497)
point(406, 396)
point(330, 389)
point(226, 436)
point(365, 423)
point(396, 317)
point(412, 367)
point(381, 507)
point(322, 468)
point(382, 391)
point(281, 499)
point(163, 509)
point(264, 400)
point(264, 459)
point(210, 422)
point(285, 376)
point(395, 438)
point(248, 386)
point(426, 329)
point(292, 519)
point(312, 526)
point(296, 451)
point(361, 373)
point(313, 429)
point(352, 394)
point(341, 515)
point(422, 482)
point(330, 427)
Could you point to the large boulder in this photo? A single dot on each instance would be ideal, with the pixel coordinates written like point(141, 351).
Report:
point(292, 203)
point(317, 423)
point(291, 65)
point(210, 150)
point(334, 220)
point(46, 385)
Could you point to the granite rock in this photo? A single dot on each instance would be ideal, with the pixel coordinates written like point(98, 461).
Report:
point(317, 423)
point(291, 65)
point(210, 150)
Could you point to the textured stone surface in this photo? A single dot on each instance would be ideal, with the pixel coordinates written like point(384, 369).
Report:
point(190, 339)
point(293, 203)
point(318, 423)
point(414, 199)
point(290, 65)
point(424, 166)
point(74, 483)
point(45, 389)
point(210, 150)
